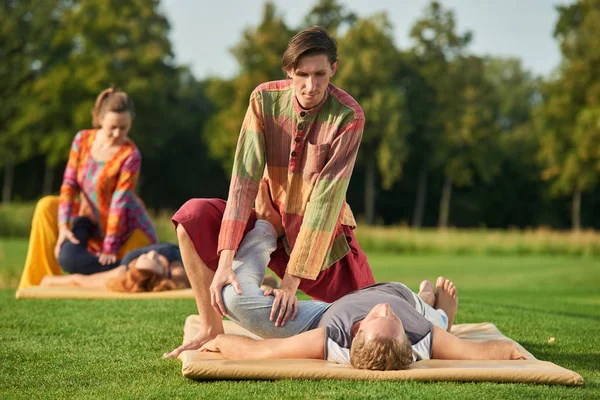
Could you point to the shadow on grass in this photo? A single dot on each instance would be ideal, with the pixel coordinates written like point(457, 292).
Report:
point(542, 311)
point(588, 361)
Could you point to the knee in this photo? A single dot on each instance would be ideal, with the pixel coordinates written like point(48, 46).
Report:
point(238, 305)
point(230, 299)
point(182, 236)
point(47, 204)
point(200, 209)
point(65, 259)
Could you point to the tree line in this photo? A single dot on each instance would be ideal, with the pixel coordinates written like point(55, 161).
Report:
point(451, 138)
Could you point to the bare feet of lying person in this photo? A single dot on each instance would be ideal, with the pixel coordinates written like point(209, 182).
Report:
point(263, 206)
point(427, 293)
point(446, 298)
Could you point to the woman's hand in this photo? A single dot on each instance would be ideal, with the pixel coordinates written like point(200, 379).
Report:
point(64, 234)
point(107, 259)
point(223, 276)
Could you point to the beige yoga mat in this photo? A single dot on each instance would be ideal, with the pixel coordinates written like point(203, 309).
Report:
point(207, 366)
point(40, 292)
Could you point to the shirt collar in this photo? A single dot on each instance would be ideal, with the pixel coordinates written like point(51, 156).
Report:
point(316, 108)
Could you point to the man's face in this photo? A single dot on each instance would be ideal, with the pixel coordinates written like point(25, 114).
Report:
point(381, 321)
point(310, 79)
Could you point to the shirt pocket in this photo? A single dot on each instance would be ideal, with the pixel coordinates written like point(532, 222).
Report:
point(316, 157)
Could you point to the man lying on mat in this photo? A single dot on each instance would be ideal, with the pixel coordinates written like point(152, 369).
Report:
point(381, 327)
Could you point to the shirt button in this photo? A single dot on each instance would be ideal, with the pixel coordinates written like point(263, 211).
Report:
point(302, 113)
point(293, 154)
point(297, 140)
point(300, 127)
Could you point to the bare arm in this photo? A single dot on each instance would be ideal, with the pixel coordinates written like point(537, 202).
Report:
point(94, 281)
point(310, 345)
point(446, 346)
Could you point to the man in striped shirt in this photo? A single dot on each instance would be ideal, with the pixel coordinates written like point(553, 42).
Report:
point(300, 137)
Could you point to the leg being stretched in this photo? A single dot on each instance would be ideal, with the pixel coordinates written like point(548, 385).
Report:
point(75, 257)
point(252, 308)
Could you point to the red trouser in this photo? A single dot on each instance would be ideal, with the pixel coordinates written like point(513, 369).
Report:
point(201, 219)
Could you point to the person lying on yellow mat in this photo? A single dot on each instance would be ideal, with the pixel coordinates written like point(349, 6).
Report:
point(99, 183)
point(385, 326)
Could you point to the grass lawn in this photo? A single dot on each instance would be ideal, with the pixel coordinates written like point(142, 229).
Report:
point(12, 258)
point(112, 348)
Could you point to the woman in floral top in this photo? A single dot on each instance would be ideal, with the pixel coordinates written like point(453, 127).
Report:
point(98, 183)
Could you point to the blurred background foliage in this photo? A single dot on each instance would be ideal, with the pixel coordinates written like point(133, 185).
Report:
point(452, 139)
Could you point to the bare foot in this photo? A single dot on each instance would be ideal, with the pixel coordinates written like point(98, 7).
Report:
point(194, 344)
point(427, 293)
point(516, 354)
point(446, 298)
point(263, 206)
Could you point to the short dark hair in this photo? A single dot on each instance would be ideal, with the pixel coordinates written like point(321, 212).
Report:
point(311, 41)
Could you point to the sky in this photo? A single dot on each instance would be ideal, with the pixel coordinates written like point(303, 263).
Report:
point(203, 31)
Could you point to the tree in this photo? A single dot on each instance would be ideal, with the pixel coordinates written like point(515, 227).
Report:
point(184, 153)
point(259, 58)
point(101, 45)
point(516, 91)
point(568, 120)
point(27, 52)
point(516, 195)
point(469, 145)
point(435, 44)
point(367, 51)
point(331, 15)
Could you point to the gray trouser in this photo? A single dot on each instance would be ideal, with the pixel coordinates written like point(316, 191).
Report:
point(252, 309)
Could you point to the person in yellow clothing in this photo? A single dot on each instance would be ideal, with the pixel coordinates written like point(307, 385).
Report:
point(99, 184)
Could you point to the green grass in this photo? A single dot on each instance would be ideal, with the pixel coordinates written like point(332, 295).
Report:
point(12, 259)
point(540, 241)
point(112, 348)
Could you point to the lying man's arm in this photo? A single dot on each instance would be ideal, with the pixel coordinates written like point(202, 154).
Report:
point(309, 344)
point(93, 281)
point(446, 346)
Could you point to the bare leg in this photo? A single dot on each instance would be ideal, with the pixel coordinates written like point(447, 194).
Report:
point(427, 293)
point(446, 298)
point(200, 277)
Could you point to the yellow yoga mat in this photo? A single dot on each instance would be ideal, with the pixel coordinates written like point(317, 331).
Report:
point(211, 366)
point(40, 292)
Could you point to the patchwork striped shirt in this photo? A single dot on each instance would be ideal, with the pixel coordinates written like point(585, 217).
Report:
point(307, 156)
point(104, 191)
